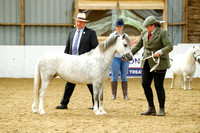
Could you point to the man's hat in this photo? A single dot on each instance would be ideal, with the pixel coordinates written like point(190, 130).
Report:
point(81, 17)
point(149, 21)
point(119, 22)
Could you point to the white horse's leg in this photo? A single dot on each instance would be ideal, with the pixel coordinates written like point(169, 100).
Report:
point(35, 102)
point(35, 105)
point(173, 77)
point(190, 83)
point(42, 92)
point(37, 85)
point(101, 101)
point(184, 81)
point(96, 93)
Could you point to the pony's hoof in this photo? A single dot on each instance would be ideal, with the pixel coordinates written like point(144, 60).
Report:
point(97, 112)
point(103, 113)
point(35, 111)
point(42, 112)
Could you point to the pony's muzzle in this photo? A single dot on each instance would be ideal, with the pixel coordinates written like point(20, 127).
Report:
point(127, 56)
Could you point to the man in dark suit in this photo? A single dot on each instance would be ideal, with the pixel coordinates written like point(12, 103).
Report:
point(80, 40)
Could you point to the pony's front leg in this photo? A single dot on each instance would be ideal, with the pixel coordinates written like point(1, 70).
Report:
point(95, 95)
point(101, 101)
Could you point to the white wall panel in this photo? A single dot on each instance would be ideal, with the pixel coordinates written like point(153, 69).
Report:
point(19, 61)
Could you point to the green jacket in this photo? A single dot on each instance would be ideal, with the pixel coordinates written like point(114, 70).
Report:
point(159, 41)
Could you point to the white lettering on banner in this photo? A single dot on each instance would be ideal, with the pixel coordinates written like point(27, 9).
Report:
point(135, 72)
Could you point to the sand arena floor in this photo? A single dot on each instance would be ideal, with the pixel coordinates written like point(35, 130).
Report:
point(123, 116)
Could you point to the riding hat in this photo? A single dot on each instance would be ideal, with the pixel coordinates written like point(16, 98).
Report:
point(119, 22)
point(150, 20)
point(81, 17)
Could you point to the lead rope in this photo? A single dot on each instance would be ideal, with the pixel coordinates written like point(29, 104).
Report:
point(156, 61)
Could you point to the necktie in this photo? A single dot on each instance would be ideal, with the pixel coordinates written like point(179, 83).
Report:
point(74, 49)
point(149, 37)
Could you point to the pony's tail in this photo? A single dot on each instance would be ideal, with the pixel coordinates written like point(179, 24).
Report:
point(37, 85)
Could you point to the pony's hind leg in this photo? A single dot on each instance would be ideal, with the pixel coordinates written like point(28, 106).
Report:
point(173, 78)
point(42, 92)
point(37, 85)
point(35, 102)
point(190, 83)
point(184, 81)
point(34, 106)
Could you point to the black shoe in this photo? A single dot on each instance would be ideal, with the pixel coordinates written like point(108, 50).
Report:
point(150, 111)
point(61, 107)
point(91, 108)
point(161, 112)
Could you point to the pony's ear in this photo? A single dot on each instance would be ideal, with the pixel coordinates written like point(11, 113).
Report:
point(123, 36)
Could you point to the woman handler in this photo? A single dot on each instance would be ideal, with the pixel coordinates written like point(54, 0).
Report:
point(156, 43)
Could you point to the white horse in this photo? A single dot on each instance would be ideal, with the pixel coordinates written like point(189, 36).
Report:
point(89, 68)
point(184, 65)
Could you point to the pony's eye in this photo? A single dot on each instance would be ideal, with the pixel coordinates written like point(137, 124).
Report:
point(125, 45)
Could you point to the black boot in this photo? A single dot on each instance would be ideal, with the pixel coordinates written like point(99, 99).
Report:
point(114, 89)
point(150, 111)
point(161, 112)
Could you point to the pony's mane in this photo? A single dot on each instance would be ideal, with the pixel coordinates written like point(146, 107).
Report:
point(128, 41)
point(104, 45)
point(107, 43)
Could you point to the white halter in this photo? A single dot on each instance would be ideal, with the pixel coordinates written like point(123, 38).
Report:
point(156, 61)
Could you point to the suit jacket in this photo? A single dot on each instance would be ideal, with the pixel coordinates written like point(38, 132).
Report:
point(88, 41)
point(159, 41)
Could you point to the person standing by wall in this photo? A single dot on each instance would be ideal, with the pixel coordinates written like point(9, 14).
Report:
point(118, 65)
point(154, 40)
point(80, 40)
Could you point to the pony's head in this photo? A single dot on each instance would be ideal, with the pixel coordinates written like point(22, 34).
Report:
point(123, 47)
point(196, 53)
